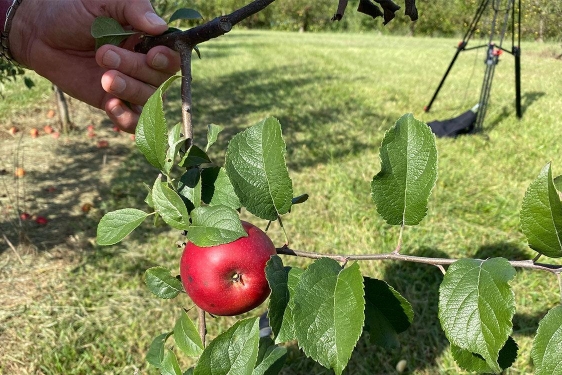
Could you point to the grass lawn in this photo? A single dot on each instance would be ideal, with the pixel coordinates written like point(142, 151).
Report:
point(71, 307)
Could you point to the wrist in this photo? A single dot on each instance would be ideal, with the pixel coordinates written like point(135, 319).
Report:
point(11, 22)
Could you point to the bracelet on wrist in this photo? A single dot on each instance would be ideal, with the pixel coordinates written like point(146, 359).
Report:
point(5, 31)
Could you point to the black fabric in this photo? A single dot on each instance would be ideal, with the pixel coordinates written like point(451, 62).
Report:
point(463, 124)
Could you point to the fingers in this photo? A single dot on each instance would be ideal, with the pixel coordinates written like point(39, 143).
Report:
point(153, 68)
point(123, 116)
point(139, 14)
point(133, 76)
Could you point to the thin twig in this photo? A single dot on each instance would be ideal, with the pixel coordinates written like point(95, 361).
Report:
point(12, 247)
point(528, 264)
point(202, 325)
point(186, 51)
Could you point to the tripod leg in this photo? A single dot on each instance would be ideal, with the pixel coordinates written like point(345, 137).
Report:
point(473, 26)
point(459, 49)
point(517, 55)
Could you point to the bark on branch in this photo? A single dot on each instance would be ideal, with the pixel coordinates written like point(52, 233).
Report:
point(202, 33)
point(529, 264)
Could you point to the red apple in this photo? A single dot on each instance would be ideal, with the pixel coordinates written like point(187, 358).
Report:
point(41, 220)
point(34, 133)
point(228, 279)
point(48, 129)
point(13, 130)
point(25, 216)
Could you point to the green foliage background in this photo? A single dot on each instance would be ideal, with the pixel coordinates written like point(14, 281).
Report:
point(540, 18)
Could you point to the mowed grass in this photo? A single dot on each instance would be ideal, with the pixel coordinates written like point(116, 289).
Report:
point(84, 309)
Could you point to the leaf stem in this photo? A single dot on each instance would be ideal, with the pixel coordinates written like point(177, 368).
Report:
point(185, 51)
point(527, 264)
point(202, 324)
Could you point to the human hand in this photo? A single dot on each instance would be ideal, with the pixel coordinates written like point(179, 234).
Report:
point(53, 38)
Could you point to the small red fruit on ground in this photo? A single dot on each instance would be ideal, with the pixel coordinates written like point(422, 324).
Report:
point(34, 133)
point(19, 172)
point(228, 279)
point(55, 135)
point(41, 220)
point(86, 207)
point(13, 130)
point(51, 113)
point(102, 143)
point(48, 129)
point(25, 216)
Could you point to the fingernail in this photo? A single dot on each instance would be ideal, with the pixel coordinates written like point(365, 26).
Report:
point(111, 60)
point(117, 111)
point(160, 61)
point(118, 85)
point(154, 19)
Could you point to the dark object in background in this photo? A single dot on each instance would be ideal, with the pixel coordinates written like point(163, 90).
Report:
point(463, 124)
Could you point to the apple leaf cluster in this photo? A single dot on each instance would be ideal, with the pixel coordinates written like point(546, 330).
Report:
point(326, 307)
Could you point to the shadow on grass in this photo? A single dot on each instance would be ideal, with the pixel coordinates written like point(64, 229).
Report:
point(315, 135)
point(61, 187)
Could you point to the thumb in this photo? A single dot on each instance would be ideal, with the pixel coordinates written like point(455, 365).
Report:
point(141, 16)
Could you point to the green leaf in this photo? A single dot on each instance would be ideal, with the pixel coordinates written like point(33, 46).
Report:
point(160, 282)
point(541, 215)
point(328, 313)
point(106, 30)
point(187, 337)
point(185, 14)
point(175, 141)
point(169, 205)
point(547, 344)
point(214, 226)
point(558, 183)
point(189, 187)
point(387, 313)
point(408, 172)
point(255, 164)
point(233, 352)
point(271, 358)
point(282, 282)
point(217, 188)
point(151, 134)
point(155, 354)
point(475, 363)
point(212, 134)
point(148, 199)
point(194, 158)
point(278, 278)
point(116, 225)
point(476, 305)
point(170, 365)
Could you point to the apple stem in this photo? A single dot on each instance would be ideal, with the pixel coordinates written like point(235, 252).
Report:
point(202, 325)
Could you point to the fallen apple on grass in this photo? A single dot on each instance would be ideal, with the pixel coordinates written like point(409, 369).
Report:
point(41, 220)
point(19, 172)
point(228, 279)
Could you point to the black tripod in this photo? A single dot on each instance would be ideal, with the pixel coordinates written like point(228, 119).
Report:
point(501, 15)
